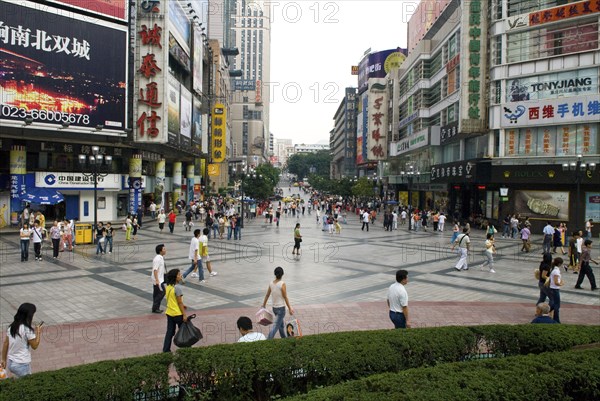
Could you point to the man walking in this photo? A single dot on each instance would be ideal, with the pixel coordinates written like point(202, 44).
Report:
point(441, 222)
point(463, 242)
point(365, 220)
point(158, 277)
point(548, 232)
point(194, 256)
point(397, 301)
point(204, 252)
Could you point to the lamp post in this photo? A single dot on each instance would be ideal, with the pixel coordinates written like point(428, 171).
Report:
point(579, 168)
point(95, 160)
point(409, 176)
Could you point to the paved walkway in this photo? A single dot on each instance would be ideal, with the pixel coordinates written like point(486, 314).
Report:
point(98, 307)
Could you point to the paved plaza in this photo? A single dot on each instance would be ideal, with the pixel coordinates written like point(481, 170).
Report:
point(98, 307)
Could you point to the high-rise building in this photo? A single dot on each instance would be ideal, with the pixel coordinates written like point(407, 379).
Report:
point(250, 97)
point(342, 140)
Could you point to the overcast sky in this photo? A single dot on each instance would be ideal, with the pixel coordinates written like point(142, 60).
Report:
point(313, 46)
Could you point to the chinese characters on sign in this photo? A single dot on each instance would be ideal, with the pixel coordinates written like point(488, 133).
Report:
point(564, 12)
point(219, 129)
point(454, 172)
point(551, 111)
point(378, 110)
point(474, 26)
point(150, 70)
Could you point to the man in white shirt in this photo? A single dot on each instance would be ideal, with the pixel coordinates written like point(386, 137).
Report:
point(152, 209)
point(441, 222)
point(395, 219)
point(365, 220)
point(403, 217)
point(244, 325)
point(158, 277)
point(398, 301)
point(194, 256)
point(463, 242)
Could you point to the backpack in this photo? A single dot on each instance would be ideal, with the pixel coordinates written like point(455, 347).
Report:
point(209, 221)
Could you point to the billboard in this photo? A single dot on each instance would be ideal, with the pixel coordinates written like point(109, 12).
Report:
point(151, 67)
point(181, 24)
point(186, 117)
point(56, 68)
point(427, 12)
point(558, 84)
point(565, 110)
point(219, 133)
point(174, 98)
point(197, 123)
point(197, 61)
point(109, 8)
point(542, 205)
point(378, 65)
point(378, 119)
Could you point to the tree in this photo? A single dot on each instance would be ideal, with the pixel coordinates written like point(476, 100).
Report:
point(300, 164)
point(363, 188)
point(260, 184)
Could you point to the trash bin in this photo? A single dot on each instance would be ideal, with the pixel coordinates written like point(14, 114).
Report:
point(83, 233)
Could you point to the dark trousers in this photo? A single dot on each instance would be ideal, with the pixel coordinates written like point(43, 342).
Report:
point(435, 225)
point(586, 271)
point(173, 323)
point(24, 250)
point(37, 248)
point(363, 226)
point(171, 227)
point(555, 303)
point(398, 319)
point(55, 247)
point(157, 296)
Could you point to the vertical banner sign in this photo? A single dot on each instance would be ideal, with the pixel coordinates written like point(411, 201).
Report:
point(191, 179)
point(473, 76)
point(151, 69)
point(159, 189)
point(18, 169)
point(378, 125)
point(177, 177)
point(218, 137)
point(135, 183)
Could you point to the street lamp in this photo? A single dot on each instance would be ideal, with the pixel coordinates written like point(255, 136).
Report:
point(95, 160)
point(408, 176)
point(578, 167)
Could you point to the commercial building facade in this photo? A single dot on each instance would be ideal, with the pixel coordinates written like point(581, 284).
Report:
point(342, 140)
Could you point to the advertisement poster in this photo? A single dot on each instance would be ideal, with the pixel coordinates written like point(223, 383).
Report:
point(592, 206)
point(174, 97)
point(571, 83)
point(197, 61)
point(197, 123)
point(62, 70)
point(186, 117)
point(427, 12)
point(181, 23)
point(378, 65)
point(110, 8)
point(542, 205)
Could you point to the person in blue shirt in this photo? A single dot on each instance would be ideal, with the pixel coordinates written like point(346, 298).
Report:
point(542, 314)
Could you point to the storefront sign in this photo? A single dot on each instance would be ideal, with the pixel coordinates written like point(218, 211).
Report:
point(516, 22)
point(407, 120)
point(548, 86)
point(551, 112)
point(44, 179)
point(110, 8)
point(61, 69)
point(550, 174)
point(472, 76)
point(151, 66)
point(378, 119)
point(454, 172)
point(564, 12)
point(219, 133)
point(244, 84)
point(448, 132)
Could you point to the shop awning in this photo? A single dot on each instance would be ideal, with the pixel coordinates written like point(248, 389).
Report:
point(42, 196)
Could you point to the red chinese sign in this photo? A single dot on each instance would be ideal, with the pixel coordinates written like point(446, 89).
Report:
point(564, 12)
point(377, 111)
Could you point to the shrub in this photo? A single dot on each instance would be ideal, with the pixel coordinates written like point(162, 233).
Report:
point(550, 376)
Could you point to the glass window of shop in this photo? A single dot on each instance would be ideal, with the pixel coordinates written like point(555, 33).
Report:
point(517, 7)
point(451, 152)
point(476, 148)
point(568, 37)
point(564, 140)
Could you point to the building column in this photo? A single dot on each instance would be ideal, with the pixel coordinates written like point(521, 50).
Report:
point(18, 170)
point(135, 183)
point(177, 173)
point(159, 189)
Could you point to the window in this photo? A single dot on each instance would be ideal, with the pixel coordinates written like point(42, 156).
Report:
point(451, 152)
point(476, 148)
point(564, 140)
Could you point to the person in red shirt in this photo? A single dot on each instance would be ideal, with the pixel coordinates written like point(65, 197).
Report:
point(172, 219)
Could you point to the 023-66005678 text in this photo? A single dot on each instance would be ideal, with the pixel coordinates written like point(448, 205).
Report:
point(47, 116)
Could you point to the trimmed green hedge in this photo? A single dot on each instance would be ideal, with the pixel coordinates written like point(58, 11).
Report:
point(570, 375)
point(279, 368)
point(263, 370)
point(106, 380)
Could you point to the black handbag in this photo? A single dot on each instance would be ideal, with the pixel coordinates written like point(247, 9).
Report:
point(188, 334)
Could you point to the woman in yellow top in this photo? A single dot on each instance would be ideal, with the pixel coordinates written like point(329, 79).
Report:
point(175, 308)
point(297, 240)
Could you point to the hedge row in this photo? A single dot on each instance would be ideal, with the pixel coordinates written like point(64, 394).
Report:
point(570, 375)
point(279, 368)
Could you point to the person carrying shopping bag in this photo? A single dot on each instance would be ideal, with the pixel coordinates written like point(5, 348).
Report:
point(278, 292)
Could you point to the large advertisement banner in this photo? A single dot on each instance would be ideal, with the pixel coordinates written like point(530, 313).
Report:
point(592, 206)
point(219, 133)
point(542, 205)
point(110, 8)
point(174, 97)
point(378, 119)
point(378, 65)
point(558, 111)
point(57, 68)
point(186, 117)
point(197, 62)
point(197, 123)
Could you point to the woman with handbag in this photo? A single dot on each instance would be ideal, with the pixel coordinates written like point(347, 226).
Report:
point(175, 308)
point(297, 240)
point(278, 292)
point(21, 336)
